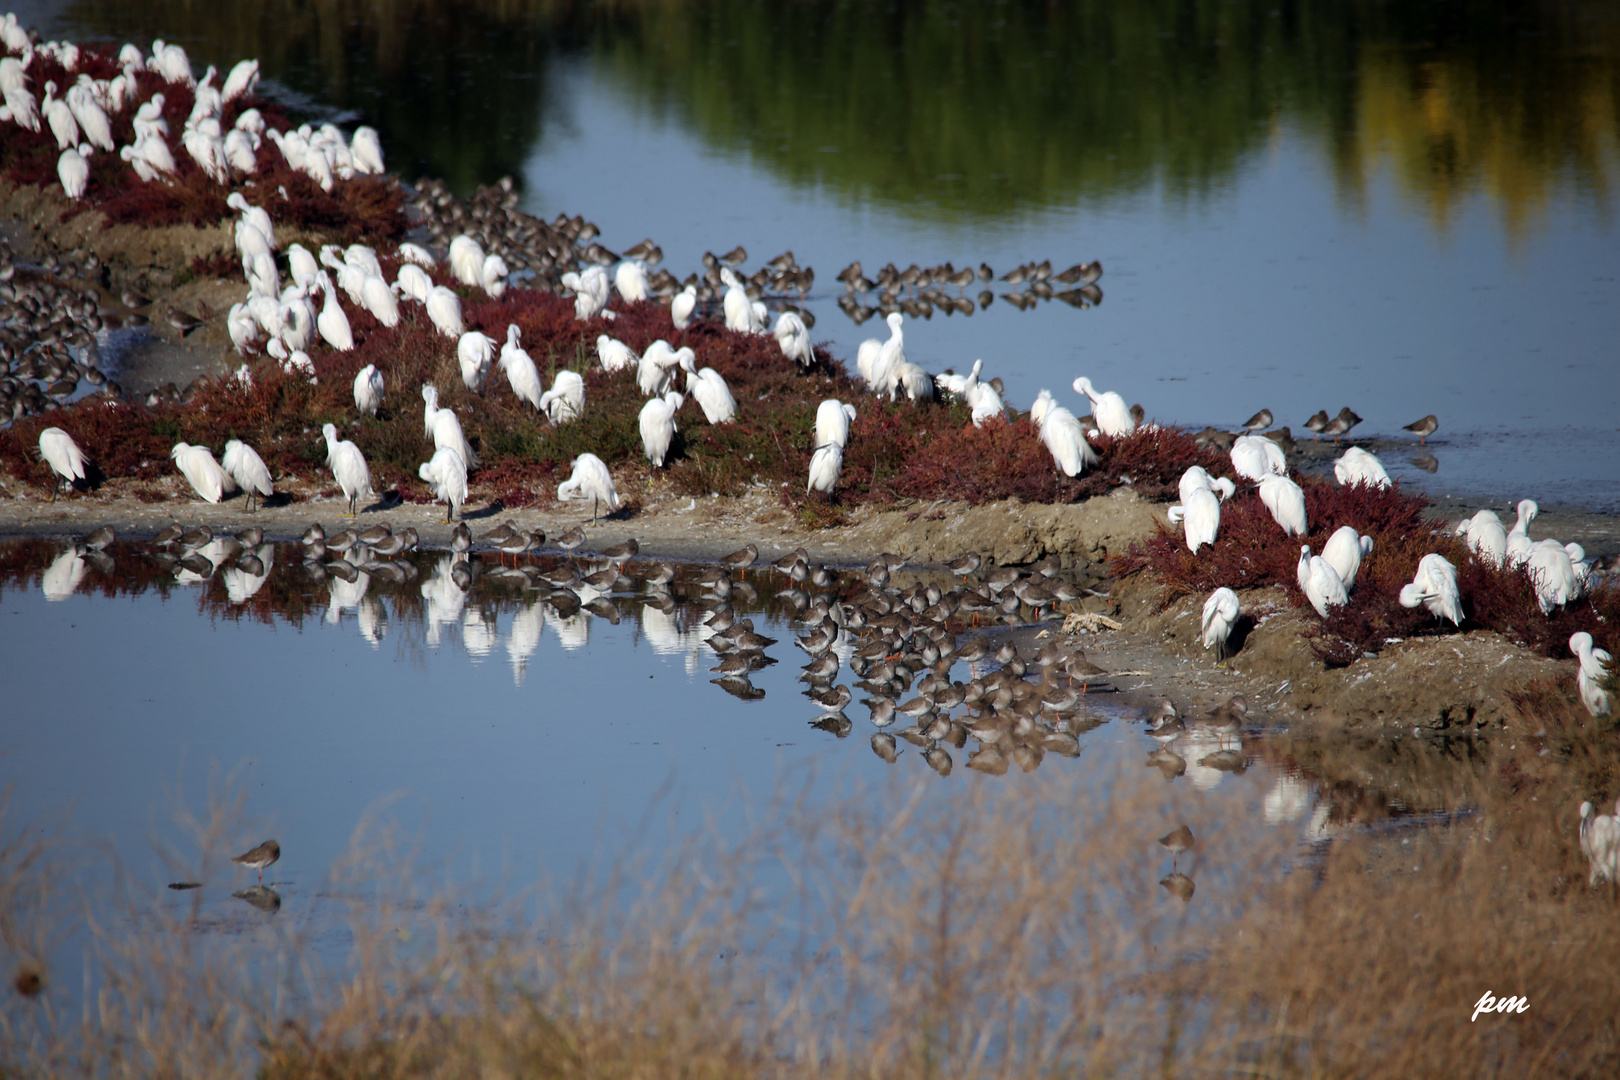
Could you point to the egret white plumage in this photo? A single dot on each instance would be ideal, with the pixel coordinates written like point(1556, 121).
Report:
point(1320, 582)
point(348, 467)
point(1592, 673)
point(302, 266)
point(332, 323)
point(1552, 572)
point(590, 480)
point(1255, 456)
point(1357, 466)
point(1220, 615)
point(242, 79)
point(446, 474)
point(590, 293)
point(630, 278)
point(1061, 433)
point(416, 253)
point(466, 260)
point(1518, 537)
point(658, 426)
point(444, 428)
point(475, 352)
point(917, 383)
point(521, 373)
point(73, 169)
point(1344, 551)
point(198, 466)
point(833, 418)
point(793, 337)
point(1286, 501)
point(63, 455)
point(708, 388)
point(248, 470)
point(683, 307)
point(738, 308)
point(869, 356)
point(614, 354)
point(1485, 534)
point(825, 466)
point(1600, 843)
point(254, 216)
point(1434, 586)
point(365, 149)
point(1200, 511)
point(1112, 414)
point(414, 282)
point(379, 299)
point(493, 276)
point(368, 390)
point(565, 400)
point(656, 368)
point(60, 118)
point(444, 311)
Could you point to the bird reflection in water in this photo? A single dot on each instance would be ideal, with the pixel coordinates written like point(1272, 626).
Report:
point(260, 896)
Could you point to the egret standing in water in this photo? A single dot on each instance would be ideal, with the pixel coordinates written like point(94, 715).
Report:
point(64, 457)
point(591, 480)
point(348, 467)
point(248, 469)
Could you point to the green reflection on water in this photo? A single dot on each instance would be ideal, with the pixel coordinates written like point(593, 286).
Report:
point(951, 110)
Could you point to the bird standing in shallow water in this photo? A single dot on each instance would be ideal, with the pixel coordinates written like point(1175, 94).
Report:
point(1178, 840)
point(1423, 428)
point(260, 857)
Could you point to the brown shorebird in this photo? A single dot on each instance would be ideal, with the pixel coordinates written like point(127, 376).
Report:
point(1258, 422)
point(741, 559)
point(1178, 840)
point(260, 857)
point(1423, 428)
point(1317, 422)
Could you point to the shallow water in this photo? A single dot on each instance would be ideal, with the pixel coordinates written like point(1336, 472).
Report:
point(1403, 208)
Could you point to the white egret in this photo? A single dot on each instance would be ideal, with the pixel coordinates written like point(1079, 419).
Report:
point(444, 428)
point(302, 266)
point(416, 253)
point(1552, 572)
point(870, 359)
point(466, 260)
point(198, 466)
point(1220, 615)
point(446, 474)
point(565, 400)
point(738, 308)
point(1255, 457)
point(683, 307)
point(368, 390)
point(833, 418)
point(332, 323)
point(630, 278)
point(255, 216)
point(444, 311)
point(242, 327)
point(793, 337)
point(1592, 674)
point(590, 480)
point(614, 354)
point(474, 352)
point(917, 383)
point(492, 276)
point(1485, 534)
point(348, 467)
point(365, 149)
point(1320, 582)
point(60, 118)
point(21, 107)
point(248, 470)
point(1061, 433)
point(1112, 414)
point(91, 116)
point(241, 152)
point(708, 388)
point(658, 426)
point(825, 466)
point(380, 300)
point(1434, 586)
point(1286, 501)
point(63, 455)
point(521, 373)
point(1344, 551)
point(656, 368)
point(1600, 843)
point(73, 170)
point(414, 282)
point(242, 79)
point(1518, 537)
point(590, 293)
point(1357, 466)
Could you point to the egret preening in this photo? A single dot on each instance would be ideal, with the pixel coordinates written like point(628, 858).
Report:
point(1485, 534)
point(474, 352)
point(1321, 583)
point(1434, 586)
point(825, 466)
point(368, 390)
point(833, 418)
point(1593, 672)
point(332, 323)
point(1200, 511)
point(1112, 414)
point(348, 467)
point(656, 368)
point(1518, 537)
point(683, 307)
point(1344, 551)
point(416, 253)
point(708, 388)
point(63, 455)
point(446, 474)
point(565, 400)
point(521, 373)
point(1061, 433)
point(198, 466)
point(1220, 615)
point(658, 426)
point(1255, 457)
point(414, 282)
point(444, 428)
point(1552, 572)
point(631, 280)
point(917, 383)
point(590, 480)
point(1356, 466)
point(590, 293)
point(794, 338)
point(493, 276)
point(248, 470)
point(444, 311)
point(1286, 501)
point(466, 260)
point(614, 354)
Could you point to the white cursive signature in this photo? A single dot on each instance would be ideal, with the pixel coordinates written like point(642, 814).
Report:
point(1491, 1003)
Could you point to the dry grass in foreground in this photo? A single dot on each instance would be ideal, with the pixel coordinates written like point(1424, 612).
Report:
point(1008, 932)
